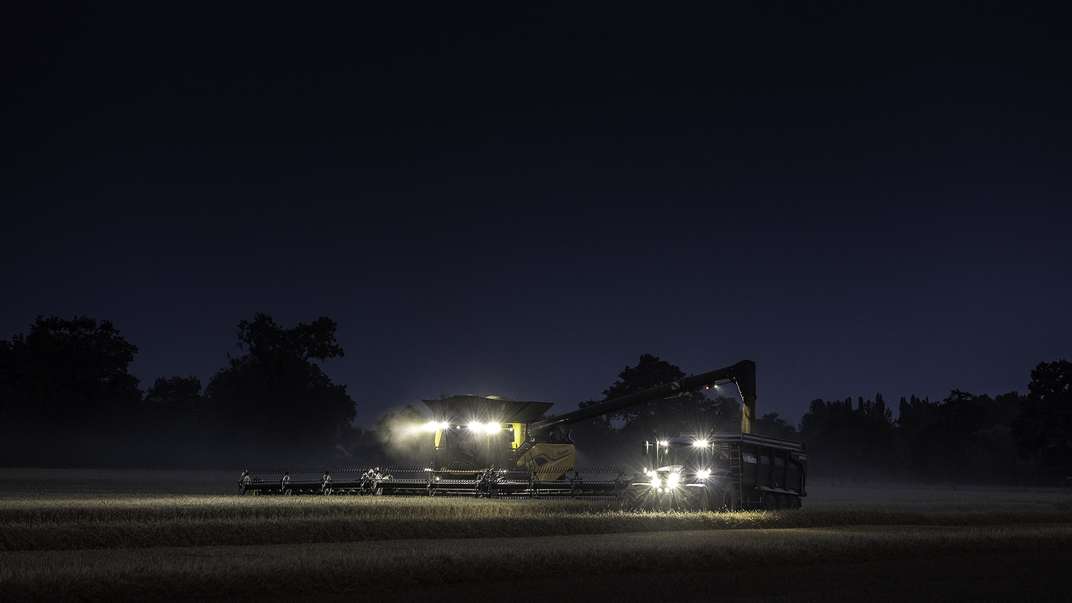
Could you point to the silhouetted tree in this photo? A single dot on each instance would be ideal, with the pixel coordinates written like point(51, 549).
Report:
point(849, 441)
point(603, 439)
point(773, 425)
point(184, 431)
point(73, 372)
point(67, 388)
point(1044, 429)
point(174, 391)
point(275, 397)
point(649, 372)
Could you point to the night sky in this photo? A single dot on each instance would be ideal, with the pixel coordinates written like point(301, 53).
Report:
point(522, 200)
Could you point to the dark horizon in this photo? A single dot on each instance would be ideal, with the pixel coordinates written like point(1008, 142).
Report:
point(522, 202)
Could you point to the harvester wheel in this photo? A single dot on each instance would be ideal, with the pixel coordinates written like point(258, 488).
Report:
point(698, 499)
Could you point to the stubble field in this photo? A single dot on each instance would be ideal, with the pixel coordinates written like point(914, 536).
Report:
point(172, 535)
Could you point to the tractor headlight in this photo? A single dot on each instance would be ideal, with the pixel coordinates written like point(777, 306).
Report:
point(700, 443)
point(656, 482)
point(703, 474)
point(673, 480)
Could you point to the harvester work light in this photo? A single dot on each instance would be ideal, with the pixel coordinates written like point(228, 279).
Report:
point(488, 428)
point(700, 443)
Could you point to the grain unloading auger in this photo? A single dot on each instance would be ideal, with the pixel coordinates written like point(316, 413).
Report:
point(489, 446)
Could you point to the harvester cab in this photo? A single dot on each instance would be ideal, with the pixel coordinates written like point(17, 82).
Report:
point(474, 432)
point(691, 455)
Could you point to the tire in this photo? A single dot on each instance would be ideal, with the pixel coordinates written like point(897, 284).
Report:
point(770, 502)
point(733, 500)
point(699, 500)
point(717, 500)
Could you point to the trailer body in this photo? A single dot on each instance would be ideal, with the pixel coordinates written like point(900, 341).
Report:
point(758, 472)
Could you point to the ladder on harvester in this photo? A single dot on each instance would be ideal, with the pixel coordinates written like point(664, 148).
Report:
point(730, 454)
point(738, 475)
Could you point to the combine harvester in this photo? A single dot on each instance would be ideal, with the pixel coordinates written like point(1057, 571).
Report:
point(492, 447)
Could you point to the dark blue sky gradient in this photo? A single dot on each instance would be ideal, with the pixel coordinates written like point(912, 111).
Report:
point(524, 202)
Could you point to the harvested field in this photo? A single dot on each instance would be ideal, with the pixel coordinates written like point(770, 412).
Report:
point(109, 544)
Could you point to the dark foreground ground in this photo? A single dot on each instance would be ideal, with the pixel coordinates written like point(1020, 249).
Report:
point(813, 564)
point(92, 542)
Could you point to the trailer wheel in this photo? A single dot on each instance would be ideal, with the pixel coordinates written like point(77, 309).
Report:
point(696, 499)
point(720, 500)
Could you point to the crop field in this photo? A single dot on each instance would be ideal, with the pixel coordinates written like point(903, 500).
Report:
point(108, 535)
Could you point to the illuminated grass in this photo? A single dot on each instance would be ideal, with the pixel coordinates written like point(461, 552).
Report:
point(57, 524)
point(93, 538)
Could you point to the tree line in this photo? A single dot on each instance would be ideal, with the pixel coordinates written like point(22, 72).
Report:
point(67, 398)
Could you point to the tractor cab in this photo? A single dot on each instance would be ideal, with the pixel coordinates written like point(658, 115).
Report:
point(676, 467)
point(681, 450)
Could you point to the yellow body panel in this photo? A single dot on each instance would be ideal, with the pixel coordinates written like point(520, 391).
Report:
point(746, 419)
point(549, 461)
point(519, 435)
